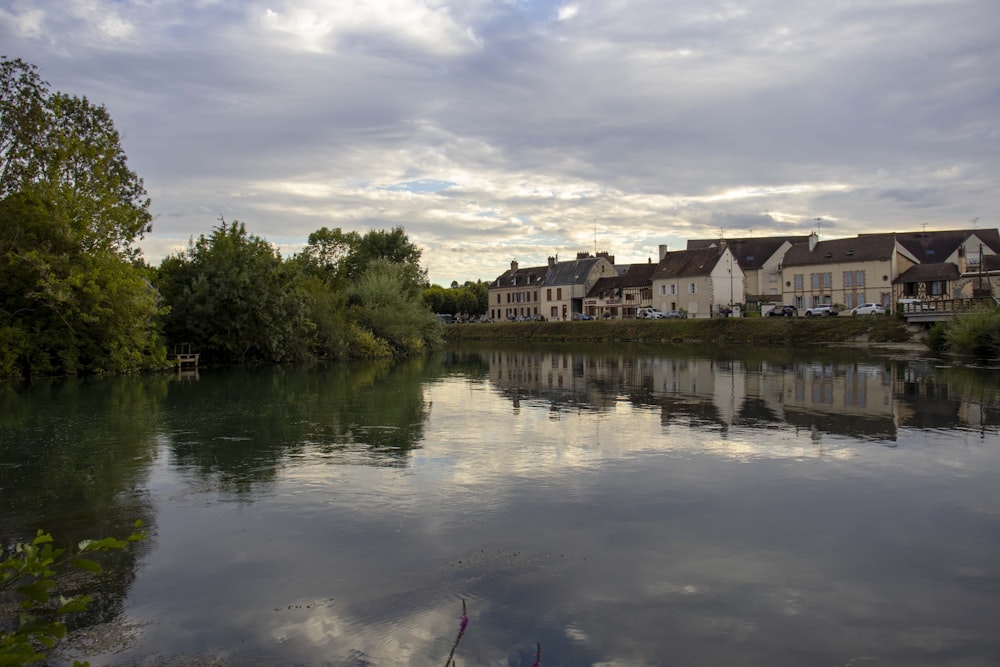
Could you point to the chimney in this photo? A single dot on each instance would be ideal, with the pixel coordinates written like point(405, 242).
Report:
point(513, 265)
point(813, 240)
point(552, 261)
point(663, 251)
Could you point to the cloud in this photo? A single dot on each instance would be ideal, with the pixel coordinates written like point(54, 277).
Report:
point(546, 120)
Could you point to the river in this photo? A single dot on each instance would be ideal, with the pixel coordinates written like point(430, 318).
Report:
point(634, 506)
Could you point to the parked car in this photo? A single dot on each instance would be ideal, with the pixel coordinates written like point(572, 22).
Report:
point(783, 311)
point(582, 316)
point(869, 309)
point(649, 314)
point(675, 315)
point(820, 310)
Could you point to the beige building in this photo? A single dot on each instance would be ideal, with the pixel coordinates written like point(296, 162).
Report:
point(844, 272)
point(760, 260)
point(566, 284)
point(516, 293)
point(699, 282)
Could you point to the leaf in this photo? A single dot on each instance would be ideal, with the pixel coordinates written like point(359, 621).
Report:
point(41, 538)
point(88, 565)
point(75, 604)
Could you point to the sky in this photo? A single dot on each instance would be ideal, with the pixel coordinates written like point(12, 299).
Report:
point(500, 130)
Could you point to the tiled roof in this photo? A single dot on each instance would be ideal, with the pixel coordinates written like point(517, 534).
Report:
point(687, 263)
point(751, 253)
point(919, 273)
point(635, 275)
point(938, 246)
point(864, 248)
point(534, 275)
point(573, 272)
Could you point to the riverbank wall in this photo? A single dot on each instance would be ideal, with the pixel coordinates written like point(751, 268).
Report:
point(784, 331)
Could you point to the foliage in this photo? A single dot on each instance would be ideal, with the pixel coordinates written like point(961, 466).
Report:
point(31, 571)
point(387, 301)
point(72, 297)
point(68, 151)
point(975, 334)
point(233, 298)
point(66, 307)
point(472, 298)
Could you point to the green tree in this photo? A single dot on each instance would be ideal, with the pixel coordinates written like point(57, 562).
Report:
point(387, 299)
point(393, 246)
point(65, 308)
point(233, 298)
point(73, 297)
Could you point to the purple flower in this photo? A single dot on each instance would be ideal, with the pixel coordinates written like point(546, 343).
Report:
point(465, 622)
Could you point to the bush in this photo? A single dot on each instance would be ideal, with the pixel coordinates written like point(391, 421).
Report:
point(975, 334)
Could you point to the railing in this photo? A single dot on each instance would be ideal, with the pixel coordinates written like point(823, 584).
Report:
point(948, 307)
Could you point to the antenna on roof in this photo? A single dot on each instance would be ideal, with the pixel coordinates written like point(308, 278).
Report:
point(974, 221)
point(819, 223)
point(595, 237)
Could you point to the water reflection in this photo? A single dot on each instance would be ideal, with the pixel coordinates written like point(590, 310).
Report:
point(867, 397)
point(636, 507)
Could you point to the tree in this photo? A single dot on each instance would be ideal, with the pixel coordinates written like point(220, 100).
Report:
point(68, 151)
point(73, 297)
point(66, 309)
point(388, 301)
point(393, 246)
point(233, 298)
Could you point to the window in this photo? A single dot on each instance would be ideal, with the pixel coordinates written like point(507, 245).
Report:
point(692, 288)
point(937, 287)
point(663, 290)
point(799, 280)
point(859, 278)
point(827, 279)
point(814, 280)
point(673, 289)
point(848, 279)
point(548, 294)
point(559, 294)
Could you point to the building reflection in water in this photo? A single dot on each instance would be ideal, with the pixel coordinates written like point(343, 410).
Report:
point(869, 398)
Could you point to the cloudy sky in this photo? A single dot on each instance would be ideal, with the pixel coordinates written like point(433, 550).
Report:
point(495, 130)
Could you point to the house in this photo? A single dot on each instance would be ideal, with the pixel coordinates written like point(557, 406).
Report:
point(566, 284)
point(515, 293)
point(953, 264)
point(620, 295)
point(760, 260)
point(846, 272)
point(700, 282)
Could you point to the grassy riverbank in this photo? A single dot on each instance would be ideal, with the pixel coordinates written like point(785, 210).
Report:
point(792, 331)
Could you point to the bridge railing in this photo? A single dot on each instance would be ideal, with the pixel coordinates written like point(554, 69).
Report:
point(949, 305)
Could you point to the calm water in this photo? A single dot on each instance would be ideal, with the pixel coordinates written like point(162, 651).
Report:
point(627, 508)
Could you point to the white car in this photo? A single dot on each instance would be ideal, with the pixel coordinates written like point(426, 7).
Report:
point(869, 309)
point(820, 310)
point(649, 314)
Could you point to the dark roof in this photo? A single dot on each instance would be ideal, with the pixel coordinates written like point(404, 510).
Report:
point(573, 272)
point(991, 262)
point(635, 275)
point(751, 253)
point(686, 263)
point(864, 248)
point(919, 273)
point(938, 246)
point(534, 275)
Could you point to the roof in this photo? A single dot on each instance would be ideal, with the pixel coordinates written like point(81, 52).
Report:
point(920, 273)
point(863, 248)
point(534, 275)
point(939, 245)
point(751, 253)
point(573, 272)
point(635, 275)
point(687, 263)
